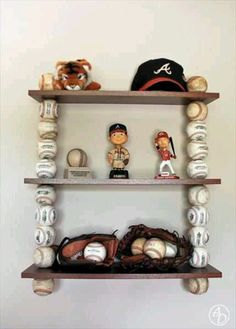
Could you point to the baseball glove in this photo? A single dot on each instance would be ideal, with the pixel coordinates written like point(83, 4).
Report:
point(143, 262)
point(70, 251)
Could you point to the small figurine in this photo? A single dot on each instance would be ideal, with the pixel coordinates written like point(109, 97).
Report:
point(119, 156)
point(162, 141)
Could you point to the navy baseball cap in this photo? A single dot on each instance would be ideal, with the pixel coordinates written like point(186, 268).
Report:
point(160, 74)
point(117, 127)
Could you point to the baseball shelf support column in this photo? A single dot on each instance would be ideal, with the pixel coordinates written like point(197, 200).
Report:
point(44, 254)
point(198, 196)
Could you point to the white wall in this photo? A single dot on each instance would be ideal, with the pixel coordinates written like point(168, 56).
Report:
point(115, 36)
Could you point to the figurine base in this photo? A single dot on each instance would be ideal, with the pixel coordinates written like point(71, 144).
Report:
point(119, 174)
point(166, 177)
point(77, 172)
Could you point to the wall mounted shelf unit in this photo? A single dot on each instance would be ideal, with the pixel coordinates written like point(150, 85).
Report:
point(122, 97)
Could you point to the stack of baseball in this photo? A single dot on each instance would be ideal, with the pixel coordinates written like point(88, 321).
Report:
point(197, 148)
point(45, 215)
point(198, 217)
point(47, 147)
point(44, 254)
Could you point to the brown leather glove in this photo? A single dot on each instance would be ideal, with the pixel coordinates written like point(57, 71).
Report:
point(70, 251)
point(128, 261)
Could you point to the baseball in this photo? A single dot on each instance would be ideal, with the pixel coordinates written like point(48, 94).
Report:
point(197, 150)
point(197, 111)
point(46, 168)
point(196, 130)
point(44, 257)
point(197, 83)
point(198, 195)
point(171, 249)
point(137, 246)
point(198, 236)
point(45, 194)
point(200, 258)
point(47, 129)
point(198, 216)
point(198, 286)
point(43, 287)
point(48, 110)
point(46, 81)
point(47, 149)
point(44, 236)
point(197, 169)
point(45, 215)
point(77, 158)
point(155, 248)
point(95, 251)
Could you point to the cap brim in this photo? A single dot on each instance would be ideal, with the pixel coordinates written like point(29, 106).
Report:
point(152, 82)
point(118, 129)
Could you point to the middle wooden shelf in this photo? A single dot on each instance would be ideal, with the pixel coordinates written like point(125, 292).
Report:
point(136, 181)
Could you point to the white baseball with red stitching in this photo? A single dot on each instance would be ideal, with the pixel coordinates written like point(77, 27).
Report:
point(95, 251)
point(45, 194)
point(200, 257)
point(155, 248)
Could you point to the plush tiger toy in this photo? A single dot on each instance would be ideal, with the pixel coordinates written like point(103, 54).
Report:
point(71, 75)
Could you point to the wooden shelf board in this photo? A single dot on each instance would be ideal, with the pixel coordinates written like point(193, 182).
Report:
point(123, 97)
point(64, 181)
point(184, 272)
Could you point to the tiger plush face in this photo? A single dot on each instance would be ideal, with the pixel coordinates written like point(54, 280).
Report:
point(72, 76)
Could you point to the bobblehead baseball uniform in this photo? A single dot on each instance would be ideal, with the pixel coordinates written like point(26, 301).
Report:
point(119, 155)
point(165, 156)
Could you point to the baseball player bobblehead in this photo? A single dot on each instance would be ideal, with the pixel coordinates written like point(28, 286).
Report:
point(162, 141)
point(118, 157)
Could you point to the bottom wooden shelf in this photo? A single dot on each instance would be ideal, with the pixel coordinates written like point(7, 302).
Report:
point(183, 272)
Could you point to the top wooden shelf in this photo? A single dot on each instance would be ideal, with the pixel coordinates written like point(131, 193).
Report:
point(123, 97)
